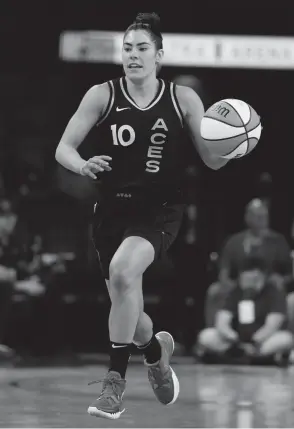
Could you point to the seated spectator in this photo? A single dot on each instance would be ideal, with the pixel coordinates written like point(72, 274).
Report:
point(252, 321)
point(258, 241)
point(17, 263)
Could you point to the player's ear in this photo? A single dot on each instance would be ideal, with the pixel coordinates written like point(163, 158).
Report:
point(159, 55)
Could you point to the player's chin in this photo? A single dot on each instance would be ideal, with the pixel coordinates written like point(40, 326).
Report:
point(135, 75)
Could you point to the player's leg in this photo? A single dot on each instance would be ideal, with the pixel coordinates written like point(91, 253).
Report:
point(157, 349)
point(130, 261)
point(144, 328)
point(162, 378)
point(128, 264)
point(144, 338)
point(161, 233)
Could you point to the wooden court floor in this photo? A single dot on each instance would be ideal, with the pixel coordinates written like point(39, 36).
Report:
point(211, 397)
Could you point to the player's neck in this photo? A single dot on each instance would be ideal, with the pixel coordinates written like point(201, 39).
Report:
point(143, 88)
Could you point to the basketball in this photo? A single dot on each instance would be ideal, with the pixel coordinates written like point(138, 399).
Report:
point(231, 128)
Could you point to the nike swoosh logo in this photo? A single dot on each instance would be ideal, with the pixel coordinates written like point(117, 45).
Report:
point(117, 347)
point(119, 109)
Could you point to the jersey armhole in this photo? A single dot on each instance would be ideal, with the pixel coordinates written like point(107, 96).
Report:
point(176, 103)
point(109, 104)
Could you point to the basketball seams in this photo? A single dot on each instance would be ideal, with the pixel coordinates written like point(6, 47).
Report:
point(233, 137)
point(250, 116)
point(224, 122)
point(226, 138)
point(230, 102)
point(237, 113)
point(246, 132)
point(252, 138)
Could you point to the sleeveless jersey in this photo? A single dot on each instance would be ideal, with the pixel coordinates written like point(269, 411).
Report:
point(146, 144)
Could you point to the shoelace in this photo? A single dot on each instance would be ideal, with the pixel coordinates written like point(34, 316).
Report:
point(110, 386)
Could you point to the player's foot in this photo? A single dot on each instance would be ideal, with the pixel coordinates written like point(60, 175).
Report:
point(163, 380)
point(109, 403)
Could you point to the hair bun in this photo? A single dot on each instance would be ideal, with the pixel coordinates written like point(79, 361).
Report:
point(152, 19)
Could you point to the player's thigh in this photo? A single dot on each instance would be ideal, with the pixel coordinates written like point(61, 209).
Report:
point(132, 258)
point(107, 233)
point(172, 216)
point(159, 226)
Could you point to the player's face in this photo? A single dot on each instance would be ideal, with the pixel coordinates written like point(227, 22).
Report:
point(140, 56)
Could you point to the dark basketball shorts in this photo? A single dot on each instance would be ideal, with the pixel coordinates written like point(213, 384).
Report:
point(159, 225)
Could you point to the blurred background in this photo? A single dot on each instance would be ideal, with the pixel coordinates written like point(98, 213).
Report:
point(52, 292)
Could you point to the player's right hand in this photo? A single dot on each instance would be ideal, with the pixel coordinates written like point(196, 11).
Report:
point(95, 165)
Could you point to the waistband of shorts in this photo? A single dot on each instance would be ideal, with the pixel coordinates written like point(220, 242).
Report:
point(141, 197)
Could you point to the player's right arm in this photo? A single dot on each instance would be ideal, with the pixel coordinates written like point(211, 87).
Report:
point(90, 110)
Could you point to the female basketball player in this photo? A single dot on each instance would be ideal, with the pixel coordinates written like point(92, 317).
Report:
point(140, 137)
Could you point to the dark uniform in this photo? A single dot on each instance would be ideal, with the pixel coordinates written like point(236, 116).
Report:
point(141, 195)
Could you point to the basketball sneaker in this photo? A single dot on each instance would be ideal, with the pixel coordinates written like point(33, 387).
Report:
point(109, 403)
point(162, 378)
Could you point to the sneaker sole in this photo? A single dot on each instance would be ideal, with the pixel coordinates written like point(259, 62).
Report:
point(93, 411)
point(171, 337)
point(174, 377)
point(176, 387)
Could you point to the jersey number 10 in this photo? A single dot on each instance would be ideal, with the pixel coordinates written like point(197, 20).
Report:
point(123, 136)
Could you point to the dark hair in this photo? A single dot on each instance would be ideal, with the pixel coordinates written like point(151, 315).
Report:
point(149, 22)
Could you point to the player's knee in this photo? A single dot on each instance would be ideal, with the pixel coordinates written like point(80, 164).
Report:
point(120, 276)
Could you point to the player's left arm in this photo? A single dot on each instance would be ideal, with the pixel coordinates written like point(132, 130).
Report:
point(193, 112)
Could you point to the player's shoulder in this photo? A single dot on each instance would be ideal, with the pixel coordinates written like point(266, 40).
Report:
point(97, 96)
point(188, 98)
point(102, 90)
point(184, 91)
